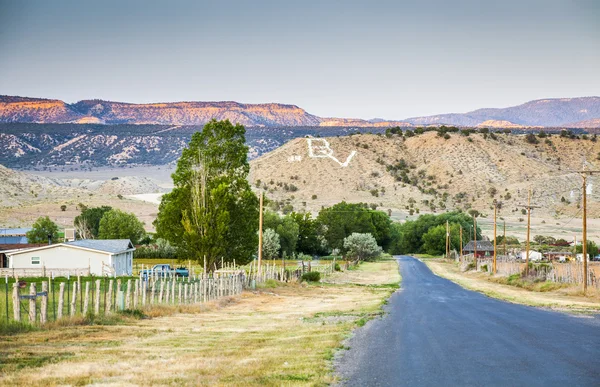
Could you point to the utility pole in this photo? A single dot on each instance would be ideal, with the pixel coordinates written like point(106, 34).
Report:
point(447, 242)
point(495, 215)
point(461, 243)
point(529, 207)
point(584, 175)
point(475, 241)
point(504, 238)
point(260, 233)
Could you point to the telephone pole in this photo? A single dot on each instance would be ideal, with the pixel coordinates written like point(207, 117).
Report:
point(475, 241)
point(495, 215)
point(260, 233)
point(447, 240)
point(528, 207)
point(584, 175)
point(504, 238)
point(461, 242)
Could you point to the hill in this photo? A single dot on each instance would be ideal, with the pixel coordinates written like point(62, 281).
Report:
point(544, 112)
point(428, 172)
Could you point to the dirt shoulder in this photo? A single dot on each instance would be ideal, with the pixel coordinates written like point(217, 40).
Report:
point(281, 336)
point(567, 299)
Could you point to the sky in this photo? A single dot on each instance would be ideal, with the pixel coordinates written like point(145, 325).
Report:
point(358, 59)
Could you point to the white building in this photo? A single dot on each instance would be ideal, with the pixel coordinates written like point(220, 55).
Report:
point(533, 255)
point(90, 256)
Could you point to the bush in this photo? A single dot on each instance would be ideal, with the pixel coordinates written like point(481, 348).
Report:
point(336, 267)
point(311, 276)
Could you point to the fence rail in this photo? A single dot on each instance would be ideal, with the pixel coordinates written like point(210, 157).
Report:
point(52, 298)
point(561, 272)
point(44, 272)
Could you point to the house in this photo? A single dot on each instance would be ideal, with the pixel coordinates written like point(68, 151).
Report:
point(484, 248)
point(87, 256)
point(533, 255)
point(561, 256)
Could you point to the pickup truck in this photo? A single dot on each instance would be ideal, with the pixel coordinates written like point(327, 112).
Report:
point(164, 270)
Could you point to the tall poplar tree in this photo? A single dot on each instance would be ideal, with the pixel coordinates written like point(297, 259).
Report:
point(212, 212)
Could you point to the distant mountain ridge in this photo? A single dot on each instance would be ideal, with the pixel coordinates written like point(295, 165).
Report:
point(554, 112)
point(583, 112)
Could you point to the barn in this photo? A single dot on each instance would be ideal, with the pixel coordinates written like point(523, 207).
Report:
point(484, 248)
point(87, 256)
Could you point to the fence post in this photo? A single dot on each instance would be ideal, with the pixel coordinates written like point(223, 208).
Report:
point(44, 306)
point(97, 305)
point(128, 295)
point(173, 290)
point(168, 295)
point(144, 291)
point(16, 302)
point(179, 295)
point(109, 297)
point(161, 291)
point(74, 299)
point(86, 303)
point(61, 300)
point(136, 293)
point(32, 303)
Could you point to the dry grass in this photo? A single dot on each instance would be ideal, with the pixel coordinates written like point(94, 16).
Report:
point(563, 298)
point(281, 336)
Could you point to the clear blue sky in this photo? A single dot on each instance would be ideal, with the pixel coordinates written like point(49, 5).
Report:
point(365, 59)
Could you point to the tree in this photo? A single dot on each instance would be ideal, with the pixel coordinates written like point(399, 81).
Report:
point(116, 224)
point(212, 211)
point(592, 249)
point(363, 246)
point(43, 230)
point(434, 241)
point(271, 244)
point(310, 234)
point(288, 231)
point(63, 207)
point(88, 222)
point(343, 219)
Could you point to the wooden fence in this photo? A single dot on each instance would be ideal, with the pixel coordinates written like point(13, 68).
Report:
point(43, 272)
point(50, 299)
point(562, 272)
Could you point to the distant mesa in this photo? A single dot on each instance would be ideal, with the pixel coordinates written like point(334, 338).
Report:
point(500, 124)
point(581, 112)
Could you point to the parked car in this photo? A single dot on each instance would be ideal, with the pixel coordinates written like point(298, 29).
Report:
point(164, 270)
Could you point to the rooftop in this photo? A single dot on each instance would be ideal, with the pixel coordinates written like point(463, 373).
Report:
point(481, 246)
point(109, 245)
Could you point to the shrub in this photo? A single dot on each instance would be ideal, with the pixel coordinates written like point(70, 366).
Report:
point(311, 276)
point(63, 207)
point(531, 139)
point(336, 267)
point(314, 197)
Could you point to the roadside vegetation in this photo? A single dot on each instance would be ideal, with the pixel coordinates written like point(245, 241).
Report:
point(284, 334)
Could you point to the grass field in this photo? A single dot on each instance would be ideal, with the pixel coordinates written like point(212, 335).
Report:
point(557, 296)
point(286, 335)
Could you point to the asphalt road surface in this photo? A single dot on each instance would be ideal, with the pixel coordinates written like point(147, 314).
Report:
point(436, 333)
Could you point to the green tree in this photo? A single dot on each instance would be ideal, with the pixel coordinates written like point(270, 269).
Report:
point(116, 224)
point(343, 219)
point(592, 249)
point(310, 234)
point(212, 211)
point(288, 231)
point(434, 241)
point(42, 231)
point(271, 244)
point(362, 246)
point(88, 222)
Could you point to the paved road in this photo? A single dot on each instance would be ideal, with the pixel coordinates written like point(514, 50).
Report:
point(439, 334)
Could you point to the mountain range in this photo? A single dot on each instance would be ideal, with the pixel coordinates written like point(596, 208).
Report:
point(581, 112)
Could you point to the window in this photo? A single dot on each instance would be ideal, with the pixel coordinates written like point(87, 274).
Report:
point(35, 260)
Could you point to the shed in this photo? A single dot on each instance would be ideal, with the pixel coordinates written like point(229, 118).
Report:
point(86, 256)
point(484, 248)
